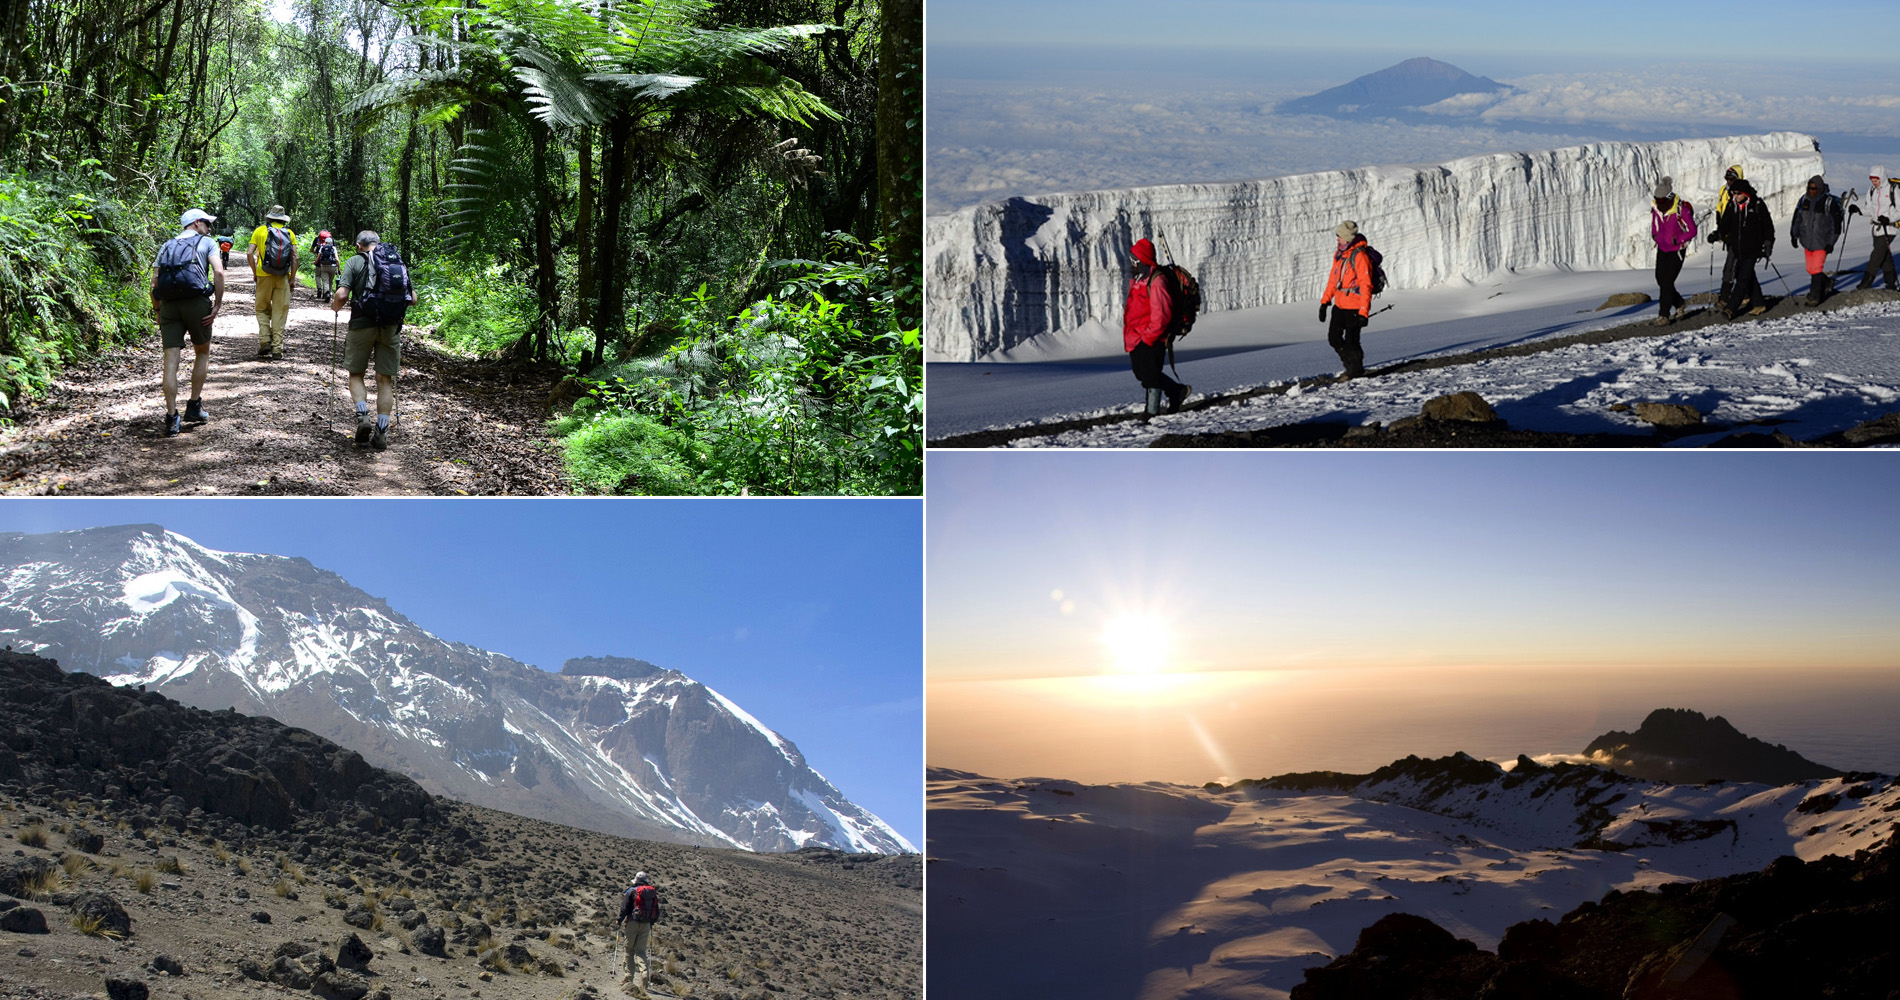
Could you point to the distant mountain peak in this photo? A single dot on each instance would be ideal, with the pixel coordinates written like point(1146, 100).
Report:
point(1395, 90)
point(610, 743)
point(1683, 745)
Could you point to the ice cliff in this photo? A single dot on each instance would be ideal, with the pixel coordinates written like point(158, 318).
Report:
point(1004, 272)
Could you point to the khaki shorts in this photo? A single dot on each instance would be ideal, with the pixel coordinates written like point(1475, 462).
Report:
point(387, 342)
point(178, 318)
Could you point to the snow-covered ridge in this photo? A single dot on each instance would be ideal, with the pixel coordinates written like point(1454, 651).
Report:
point(1004, 272)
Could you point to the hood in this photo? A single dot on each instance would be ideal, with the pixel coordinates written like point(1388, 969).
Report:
point(1878, 175)
point(1818, 179)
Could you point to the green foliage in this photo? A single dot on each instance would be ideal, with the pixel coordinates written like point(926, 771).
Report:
point(811, 390)
point(65, 252)
point(618, 451)
point(482, 309)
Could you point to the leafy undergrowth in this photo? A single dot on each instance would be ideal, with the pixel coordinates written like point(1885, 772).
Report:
point(815, 389)
point(69, 265)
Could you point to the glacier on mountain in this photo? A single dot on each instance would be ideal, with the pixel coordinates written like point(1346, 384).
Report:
point(1001, 273)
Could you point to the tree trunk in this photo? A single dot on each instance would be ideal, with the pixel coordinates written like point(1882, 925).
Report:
point(546, 292)
point(402, 208)
point(900, 118)
point(610, 318)
point(584, 229)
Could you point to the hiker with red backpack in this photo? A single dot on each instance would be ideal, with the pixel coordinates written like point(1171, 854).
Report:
point(640, 908)
point(187, 291)
point(1148, 326)
point(273, 258)
point(1672, 227)
point(1349, 291)
point(379, 281)
point(323, 250)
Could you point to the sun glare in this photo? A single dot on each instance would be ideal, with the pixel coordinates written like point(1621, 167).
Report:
point(1137, 645)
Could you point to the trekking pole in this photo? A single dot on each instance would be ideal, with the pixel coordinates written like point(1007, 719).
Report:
point(1847, 217)
point(1388, 305)
point(1784, 281)
point(329, 376)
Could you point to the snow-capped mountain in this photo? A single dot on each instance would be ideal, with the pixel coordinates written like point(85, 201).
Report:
point(612, 744)
point(1395, 90)
point(1156, 890)
point(1003, 272)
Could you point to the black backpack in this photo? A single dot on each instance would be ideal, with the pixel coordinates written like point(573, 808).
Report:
point(385, 297)
point(1378, 267)
point(278, 250)
point(181, 275)
point(1185, 294)
point(326, 253)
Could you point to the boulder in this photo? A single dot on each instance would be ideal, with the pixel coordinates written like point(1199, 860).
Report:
point(341, 985)
point(411, 920)
point(16, 873)
point(103, 908)
point(359, 916)
point(285, 971)
point(1465, 406)
point(259, 916)
point(23, 920)
point(1622, 299)
point(118, 988)
point(352, 953)
point(249, 969)
point(1668, 414)
point(168, 965)
point(86, 841)
point(431, 941)
point(1882, 428)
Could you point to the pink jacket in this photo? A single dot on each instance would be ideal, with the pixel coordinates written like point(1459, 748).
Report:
point(1674, 229)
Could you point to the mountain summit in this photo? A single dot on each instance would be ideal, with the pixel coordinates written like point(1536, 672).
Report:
point(1395, 90)
point(611, 744)
point(1680, 745)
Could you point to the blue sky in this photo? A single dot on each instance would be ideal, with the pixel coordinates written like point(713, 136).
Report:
point(806, 613)
point(1262, 561)
point(1746, 29)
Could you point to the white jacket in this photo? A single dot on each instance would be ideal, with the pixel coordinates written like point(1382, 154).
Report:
point(1883, 200)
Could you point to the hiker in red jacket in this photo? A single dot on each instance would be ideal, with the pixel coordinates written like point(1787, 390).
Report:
point(1349, 292)
point(1145, 323)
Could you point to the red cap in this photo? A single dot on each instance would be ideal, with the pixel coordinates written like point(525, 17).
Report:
point(1144, 251)
point(325, 234)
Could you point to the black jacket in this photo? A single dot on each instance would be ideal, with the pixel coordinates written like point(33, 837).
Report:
point(1750, 232)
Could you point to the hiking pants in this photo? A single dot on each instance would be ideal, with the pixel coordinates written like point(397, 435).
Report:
point(273, 307)
point(1668, 266)
point(1746, 291)
point(638, 934)
point(1881, 261)
point(326, 281)
point(1728, 271)
point(1148, 360)
point(1343, 333)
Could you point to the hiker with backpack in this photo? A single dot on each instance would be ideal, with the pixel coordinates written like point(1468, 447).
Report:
point(1672, 227)
point(273, 258)
point(379, 281)
point(1883, 214)
point(1731, 177)
point(640, 907)
point(187, 291)
point(1148, 326)
point(1750, 235)
point(1349, 291)
point(323, 250)
point(1817, 224)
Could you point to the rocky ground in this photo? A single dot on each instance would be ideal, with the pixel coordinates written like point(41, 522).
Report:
point(152, 850)
point(463, 427)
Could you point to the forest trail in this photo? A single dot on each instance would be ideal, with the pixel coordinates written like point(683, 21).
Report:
point(284, 427)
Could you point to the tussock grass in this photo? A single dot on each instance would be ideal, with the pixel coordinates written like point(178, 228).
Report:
point(220, 855)
point(73, 864)
point(171, 866)
point(283, 888)
point(95, 927)
point(145, 882)
point(32, 836)
point(45, 883)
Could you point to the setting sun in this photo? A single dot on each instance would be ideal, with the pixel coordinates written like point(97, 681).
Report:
point(1137, 645)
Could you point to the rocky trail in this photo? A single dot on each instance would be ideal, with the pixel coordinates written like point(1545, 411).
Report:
point(463, 427)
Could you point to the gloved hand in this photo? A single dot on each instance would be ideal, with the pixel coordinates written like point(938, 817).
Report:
point(1711, 237)
point(1322, 312)
point(1883, 220)
point(1853, 210)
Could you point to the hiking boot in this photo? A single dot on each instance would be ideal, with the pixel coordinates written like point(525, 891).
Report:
point(379, 439)
point(277, 355)
point(364, 425)
point(1660, 321)
point(263, 350)
point(1178, 395)
point(171, 423)
point(1758, 310)
point(195, 412)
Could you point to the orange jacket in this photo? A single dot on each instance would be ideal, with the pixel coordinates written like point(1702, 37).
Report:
point(1350, 289)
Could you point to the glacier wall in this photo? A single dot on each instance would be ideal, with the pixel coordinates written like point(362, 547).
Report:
point(1004, 272)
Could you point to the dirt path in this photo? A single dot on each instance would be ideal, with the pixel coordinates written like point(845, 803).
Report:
point(284, 427)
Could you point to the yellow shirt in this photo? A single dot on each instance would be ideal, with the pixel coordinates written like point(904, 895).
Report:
point(257, 245)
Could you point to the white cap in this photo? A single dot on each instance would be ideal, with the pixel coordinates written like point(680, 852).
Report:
point(640, 878)
point(195, 215)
